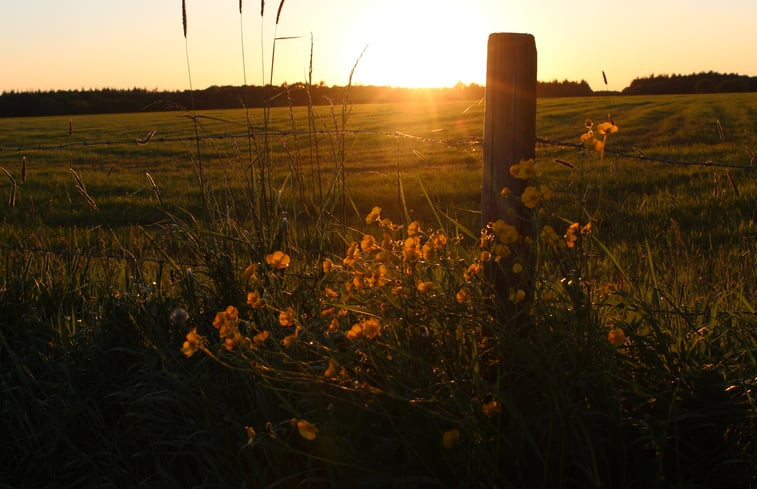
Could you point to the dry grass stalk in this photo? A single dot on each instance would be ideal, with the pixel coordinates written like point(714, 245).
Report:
point(23, 169)
point(733, 183)
point(82, 189)
point(8, 174)
point(278, 13)
point(677, 235)
point(12, 198)
point(147, 138)
point(184, 16)
point(155, 188)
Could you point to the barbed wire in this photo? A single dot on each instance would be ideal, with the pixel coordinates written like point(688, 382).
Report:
point(640, 155)
point(189, 266)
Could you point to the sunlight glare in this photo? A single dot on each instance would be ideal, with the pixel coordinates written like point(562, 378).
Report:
point(423, 44)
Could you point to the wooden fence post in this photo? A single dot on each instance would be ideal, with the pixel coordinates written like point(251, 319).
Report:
point(509, 137)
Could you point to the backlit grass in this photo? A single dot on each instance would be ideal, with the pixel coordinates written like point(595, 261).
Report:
point(347, 338)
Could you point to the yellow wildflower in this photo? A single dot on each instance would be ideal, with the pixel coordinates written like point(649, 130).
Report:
point(517, 268)
point(413, 228)
point(260, 337)
point(306, 429)
point(331, 370)
point(439, 240)
point(504, 232)
point(523, 170)
point(605, 128)
point(278, 260)
point(461, 296)
point(373, 216)
point(491, 408)
point(331, 293)
point(192, 344)
point(226, 322)
point(358, 280)
point(352, 254)
point(545, 191)
point(425, 286)
point(519, 295)
point(502, 250)
point(399, 291)
point(616, 337)
point(571, 235)
point(473, 269)
point(550, 236)
point(530, 197)
point(287, 318)
point(249, 272)
point(250, 431)
point(288, 340)
point(505, 192)
point(369, 244)
point(592, 143)
point(371, 328)
point(428, 251)
point(451, 438)
point(411, 248)
point(354, 332)
point(327, 265)
point(254, 299)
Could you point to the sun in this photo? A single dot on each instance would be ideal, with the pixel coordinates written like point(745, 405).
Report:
point(422, 43)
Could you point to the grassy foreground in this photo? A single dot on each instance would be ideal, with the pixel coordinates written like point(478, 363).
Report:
point(288, 334)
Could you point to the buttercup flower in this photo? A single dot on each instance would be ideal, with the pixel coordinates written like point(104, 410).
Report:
point(249, 272)
point(549, 235)
point(523, 170)
point(461, 296)
point(254, 299)
point(278, 260)
point(491, 408)
point(425, 286)
point(605, 128)
point(451, 438)
point(369, 244)
point(571, 235)
point(287, 318)
point(192, 344)
point(260, 337)
point(530, 197)
point(504, 232)
point(373, 216)
point(616, 337)
point(306, 429)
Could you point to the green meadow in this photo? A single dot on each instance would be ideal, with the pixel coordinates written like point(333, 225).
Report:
point(298, 298)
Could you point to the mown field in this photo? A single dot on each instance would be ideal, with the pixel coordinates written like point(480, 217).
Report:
point(151, 336)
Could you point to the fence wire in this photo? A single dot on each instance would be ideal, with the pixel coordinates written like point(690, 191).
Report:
point(639, 154)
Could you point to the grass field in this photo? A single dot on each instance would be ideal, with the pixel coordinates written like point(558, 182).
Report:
point(632, 364)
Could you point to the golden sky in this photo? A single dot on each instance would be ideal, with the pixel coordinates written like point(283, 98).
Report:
point(82, 44)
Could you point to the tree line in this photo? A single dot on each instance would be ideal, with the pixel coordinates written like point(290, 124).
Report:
point(73, 102)
point(108, 100)
point(709, 82)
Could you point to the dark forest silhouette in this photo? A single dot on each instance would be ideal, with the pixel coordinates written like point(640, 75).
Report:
point(101, 101)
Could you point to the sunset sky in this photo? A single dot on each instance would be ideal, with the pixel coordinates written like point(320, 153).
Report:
point(83, 44)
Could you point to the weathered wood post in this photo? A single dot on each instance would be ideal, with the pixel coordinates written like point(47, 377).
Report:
point(509, 138)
